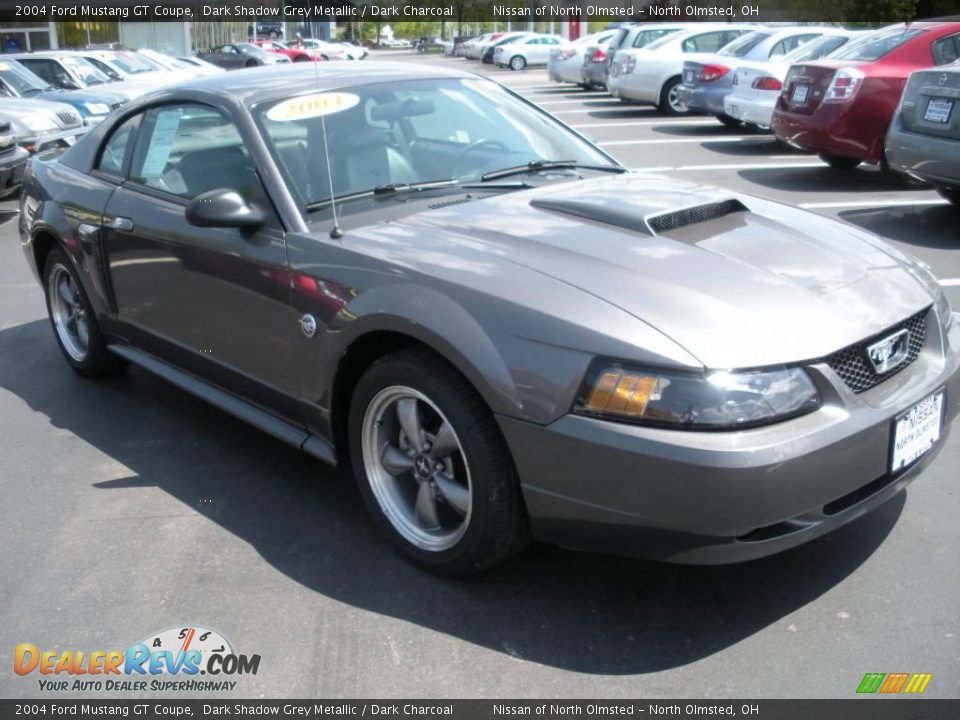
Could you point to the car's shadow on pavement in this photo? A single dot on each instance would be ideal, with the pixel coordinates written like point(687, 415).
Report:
point(824, 179)
point(921, 225)
point(579, 612)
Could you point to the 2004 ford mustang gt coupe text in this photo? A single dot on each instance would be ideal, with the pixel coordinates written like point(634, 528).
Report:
point(503, 331)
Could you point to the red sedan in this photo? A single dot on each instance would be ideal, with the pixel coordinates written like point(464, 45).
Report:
point(295, 54)
point(841, 108)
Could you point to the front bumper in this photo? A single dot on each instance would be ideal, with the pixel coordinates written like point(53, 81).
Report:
point(933, 159)
point(756, 111)
point(717, 497)
point(59, 139)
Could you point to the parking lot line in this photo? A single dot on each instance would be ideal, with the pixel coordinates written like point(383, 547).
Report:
point(670, 141)
point(644, 123)
point(812, 162)
point(950, 282)
point(872, 203)
point(603, 103)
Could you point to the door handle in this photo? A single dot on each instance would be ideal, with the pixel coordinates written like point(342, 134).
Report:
point(121, 223)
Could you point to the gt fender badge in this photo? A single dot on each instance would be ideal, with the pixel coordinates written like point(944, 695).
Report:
point(308, 325)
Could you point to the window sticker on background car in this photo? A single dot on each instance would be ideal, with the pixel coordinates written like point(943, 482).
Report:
point(310, 106)
point(161, 142)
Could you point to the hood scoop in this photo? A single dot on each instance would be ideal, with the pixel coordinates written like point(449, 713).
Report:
point(629, 216)
point(694, 215)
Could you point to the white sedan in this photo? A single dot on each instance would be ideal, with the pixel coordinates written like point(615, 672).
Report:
point(756, 86)
point(566, 62)
point(527, 51)
point(650, 75)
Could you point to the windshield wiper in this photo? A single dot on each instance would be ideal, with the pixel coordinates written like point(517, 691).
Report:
point(380, 190)
point(537, 165)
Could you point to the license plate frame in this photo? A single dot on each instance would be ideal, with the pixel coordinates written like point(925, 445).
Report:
point(800, 94)
point(906, 454)
point(938, 110)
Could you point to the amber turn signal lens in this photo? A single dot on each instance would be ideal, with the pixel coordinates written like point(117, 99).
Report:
point(621, 392)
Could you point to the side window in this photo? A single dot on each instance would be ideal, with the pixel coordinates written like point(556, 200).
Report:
point(707, 42)
point(188, 149)
point(790, 43)
point(946, 50)
point(104, 68)
point(44, 68)
point(116, 148)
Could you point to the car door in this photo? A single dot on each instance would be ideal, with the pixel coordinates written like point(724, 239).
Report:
point(534, 49)
point(214, 301)
point(226, 56)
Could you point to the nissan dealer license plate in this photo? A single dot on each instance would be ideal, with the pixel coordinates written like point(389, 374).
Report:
point(916, 431)
point(800, 94)
point(938, 110)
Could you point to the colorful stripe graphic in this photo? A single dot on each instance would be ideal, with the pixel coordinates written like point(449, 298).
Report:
point(890, 683)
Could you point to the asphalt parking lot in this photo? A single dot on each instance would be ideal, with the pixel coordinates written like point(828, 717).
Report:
point(128, 507)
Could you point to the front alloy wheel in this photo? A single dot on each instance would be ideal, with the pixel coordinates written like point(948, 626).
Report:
point(432, 466)
point(416, 468)
point(518, 62)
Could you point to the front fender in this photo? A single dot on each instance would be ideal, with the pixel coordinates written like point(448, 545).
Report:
point(428, 316)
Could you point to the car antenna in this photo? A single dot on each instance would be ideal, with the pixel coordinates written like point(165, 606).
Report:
point(336, 233)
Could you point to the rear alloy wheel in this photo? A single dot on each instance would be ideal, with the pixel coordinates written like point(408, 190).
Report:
point(840, 162)
point(73, 320)
point(432, 467)
point(951, 194)
point(518, 62)
point(670, 103)
point(730, 122)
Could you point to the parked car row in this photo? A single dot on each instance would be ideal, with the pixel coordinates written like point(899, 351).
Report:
point(514, 50)
point(887, 97)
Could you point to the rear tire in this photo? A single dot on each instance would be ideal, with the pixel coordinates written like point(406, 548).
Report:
point(455, 510)
point(840, 162)
point(518, 62)
point(74, 321)
point(251, 63)
point(951, 194)
point(669, 99)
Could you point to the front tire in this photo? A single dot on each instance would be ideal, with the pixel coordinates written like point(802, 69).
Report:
point(840, 162)
point(518, 62)
point(74, 322)
point(432, 467)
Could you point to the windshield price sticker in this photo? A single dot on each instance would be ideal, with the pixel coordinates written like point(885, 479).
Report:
point(310, 106)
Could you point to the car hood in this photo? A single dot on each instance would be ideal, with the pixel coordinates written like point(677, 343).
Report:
point(735, 280)
point(28, 106)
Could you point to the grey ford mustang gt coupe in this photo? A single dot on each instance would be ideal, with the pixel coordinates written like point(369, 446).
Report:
point(502, 330)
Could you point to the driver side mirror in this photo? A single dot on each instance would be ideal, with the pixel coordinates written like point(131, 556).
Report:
point(224, 208)
point(66, 83)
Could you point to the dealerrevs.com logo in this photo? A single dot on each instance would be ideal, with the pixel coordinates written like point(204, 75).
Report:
point(171, 660)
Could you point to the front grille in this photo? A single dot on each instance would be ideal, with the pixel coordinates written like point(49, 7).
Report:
point(854, 367)
point(69, 119)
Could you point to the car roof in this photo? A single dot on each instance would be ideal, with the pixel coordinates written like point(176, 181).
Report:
point(255, 85)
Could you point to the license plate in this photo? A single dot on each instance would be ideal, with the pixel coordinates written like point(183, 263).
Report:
point(916, 431)
point(688, 77)
point(938, 110)
point(800, 94)
point(735, 111)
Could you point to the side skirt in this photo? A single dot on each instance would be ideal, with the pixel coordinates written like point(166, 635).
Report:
point(272, 425)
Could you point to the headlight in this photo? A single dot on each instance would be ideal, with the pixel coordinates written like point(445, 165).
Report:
point(944, 311)
point(716, 400)
point(39, 123)
point(97, 108)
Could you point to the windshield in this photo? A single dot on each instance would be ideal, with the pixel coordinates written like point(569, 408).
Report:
point(816, 49)
point(19, 79)
point(407, 132)
point(85, 70)
point(131, 64)
point(878, 44)
point(741, 46)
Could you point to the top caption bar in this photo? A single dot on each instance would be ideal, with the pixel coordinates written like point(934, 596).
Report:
point(455, 11)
